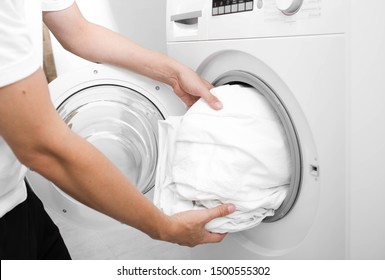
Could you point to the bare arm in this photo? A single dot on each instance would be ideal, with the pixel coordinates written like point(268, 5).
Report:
point(98, 44)
point(42, 141)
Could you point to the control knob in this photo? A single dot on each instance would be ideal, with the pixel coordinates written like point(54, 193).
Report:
point(289, 7)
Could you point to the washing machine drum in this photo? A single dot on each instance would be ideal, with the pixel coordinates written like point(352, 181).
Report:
point(122, 124)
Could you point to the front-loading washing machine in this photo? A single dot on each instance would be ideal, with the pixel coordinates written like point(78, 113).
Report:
point(294, 53)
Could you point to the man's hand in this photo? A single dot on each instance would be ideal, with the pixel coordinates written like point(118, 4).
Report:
point(190, 87)
point(188, 228)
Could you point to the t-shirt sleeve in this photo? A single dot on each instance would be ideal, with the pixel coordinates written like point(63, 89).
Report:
point(17, 59)
point(56, 5)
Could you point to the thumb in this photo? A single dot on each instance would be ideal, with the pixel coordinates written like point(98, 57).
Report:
point(212, 100)
point(220, 211)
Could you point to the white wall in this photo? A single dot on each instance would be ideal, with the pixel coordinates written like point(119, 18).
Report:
point(141, 21)
point(367, 130)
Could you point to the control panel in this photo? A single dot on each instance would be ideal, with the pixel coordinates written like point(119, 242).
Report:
point(196, 20)
point(222, 7)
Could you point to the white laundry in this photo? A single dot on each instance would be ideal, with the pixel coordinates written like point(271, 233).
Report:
point(235, 155)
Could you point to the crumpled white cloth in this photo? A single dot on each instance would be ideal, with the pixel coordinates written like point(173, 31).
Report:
point(235, 155)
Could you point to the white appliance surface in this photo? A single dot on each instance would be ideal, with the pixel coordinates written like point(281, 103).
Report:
point(299, 60)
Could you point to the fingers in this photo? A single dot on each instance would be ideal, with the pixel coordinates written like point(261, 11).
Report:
point(189, 229)
point(213, 213)
point(212, 100)
point(191, 91)
point(214, 237)
point(207, 84)
point(219, 211)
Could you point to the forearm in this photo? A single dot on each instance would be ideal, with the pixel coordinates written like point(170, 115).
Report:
point(105, 46)
point(85, 174)
point(43, 142)
point(99, 44)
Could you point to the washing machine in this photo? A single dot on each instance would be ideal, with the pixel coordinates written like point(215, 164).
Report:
point(118, 112)
point(294, 53)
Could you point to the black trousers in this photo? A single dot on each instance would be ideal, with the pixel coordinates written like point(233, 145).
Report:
point(27, 232)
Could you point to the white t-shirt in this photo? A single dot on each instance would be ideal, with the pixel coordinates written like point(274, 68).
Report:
point(18, 59)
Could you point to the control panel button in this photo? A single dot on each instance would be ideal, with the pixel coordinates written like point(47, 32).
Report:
point(249, 6)
point(221, 7)
point(241, 7)
point(289, 7)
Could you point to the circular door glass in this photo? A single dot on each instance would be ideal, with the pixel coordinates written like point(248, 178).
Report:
point(122, 124)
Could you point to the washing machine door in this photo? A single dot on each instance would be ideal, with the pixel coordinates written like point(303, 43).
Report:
point(118, 112)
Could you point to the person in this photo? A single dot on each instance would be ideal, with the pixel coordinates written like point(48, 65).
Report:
point(32, 135)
